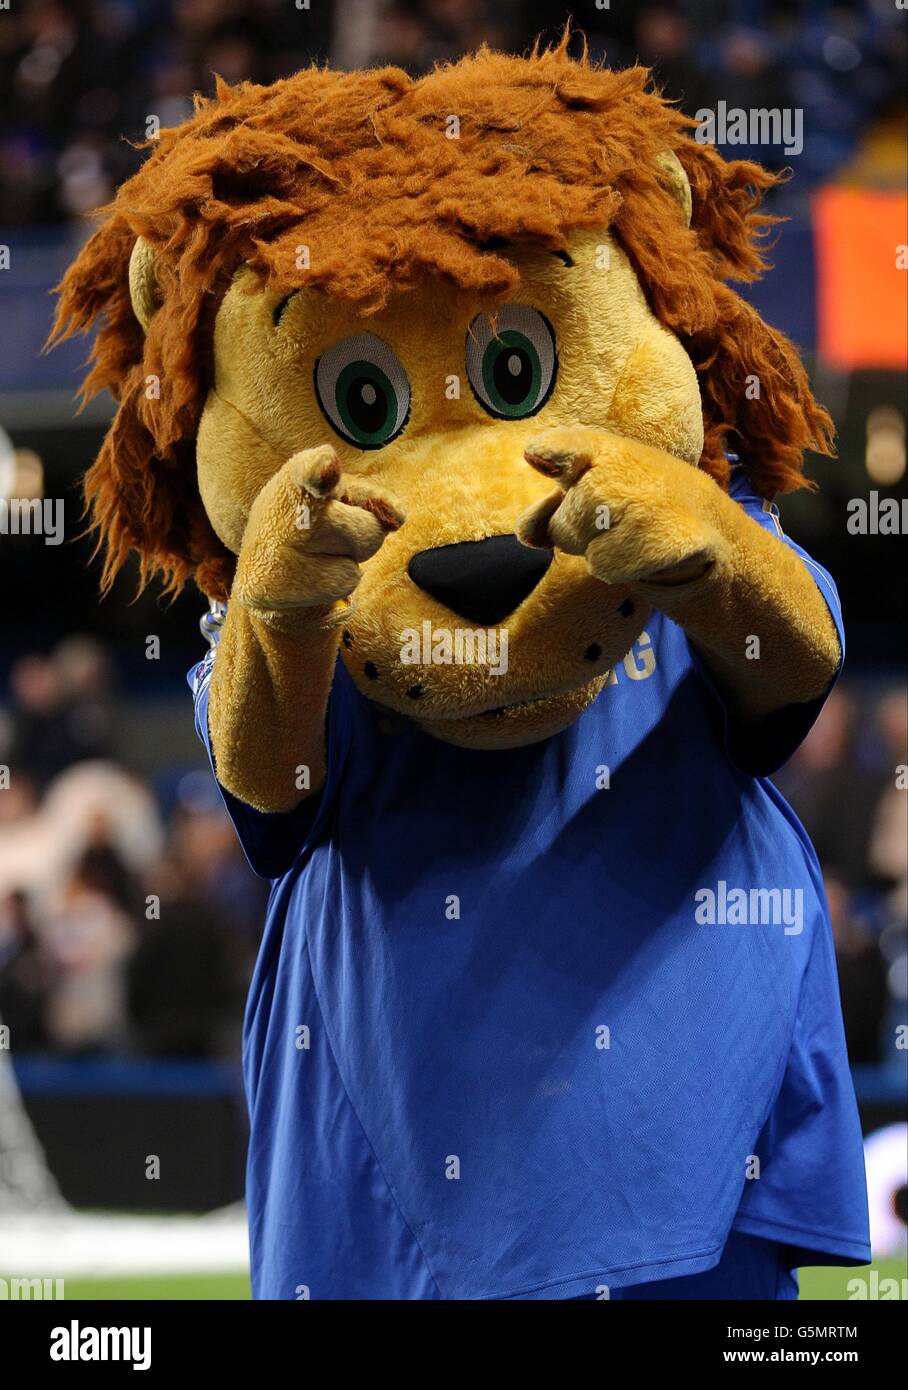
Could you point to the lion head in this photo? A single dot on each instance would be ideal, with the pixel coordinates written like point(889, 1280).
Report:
point(425, 273)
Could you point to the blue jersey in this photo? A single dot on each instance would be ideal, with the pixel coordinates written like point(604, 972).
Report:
point(528, 1022)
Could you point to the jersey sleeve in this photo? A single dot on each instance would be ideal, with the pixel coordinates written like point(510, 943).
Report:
point(271, 841)
point(761, 749)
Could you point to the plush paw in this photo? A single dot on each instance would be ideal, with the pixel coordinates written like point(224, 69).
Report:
point(308, 532)
point(638, 515)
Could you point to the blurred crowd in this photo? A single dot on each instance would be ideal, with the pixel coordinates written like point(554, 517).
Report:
point(847, 784)
point(76, 76)
point(129, 918)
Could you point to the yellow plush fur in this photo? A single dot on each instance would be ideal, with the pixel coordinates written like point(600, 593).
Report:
point(622, 428)
point(277, 224)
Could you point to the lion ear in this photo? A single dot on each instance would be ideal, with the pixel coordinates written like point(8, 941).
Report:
point(143, 290)
point(672, 177)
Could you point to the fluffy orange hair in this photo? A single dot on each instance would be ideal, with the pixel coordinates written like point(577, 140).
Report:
point(359, 168)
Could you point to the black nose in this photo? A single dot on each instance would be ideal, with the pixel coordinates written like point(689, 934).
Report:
point(483, 581)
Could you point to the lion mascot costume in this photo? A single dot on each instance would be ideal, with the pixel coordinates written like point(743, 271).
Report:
point(438, 391)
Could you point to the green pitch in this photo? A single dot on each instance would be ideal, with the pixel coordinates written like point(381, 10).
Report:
point(174, 1287)
point(832, 1282)
point(816, 1283)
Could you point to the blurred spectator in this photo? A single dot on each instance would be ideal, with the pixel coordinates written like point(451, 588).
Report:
point(862, 976)
point(186, 977)
point(752, 78)
point(665, 41)
point(62, 708)
point(889, 830)
point(416, 36)
point(18, 804)
point(24, 974)
point(40, 740)
point(842, 784)
point(89, 803)
point(832, 791)
point(88, 961)
point(89, 937)
point(204, 843)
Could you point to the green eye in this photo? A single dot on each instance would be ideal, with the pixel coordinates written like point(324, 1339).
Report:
point(512, 369)
point(363, 390)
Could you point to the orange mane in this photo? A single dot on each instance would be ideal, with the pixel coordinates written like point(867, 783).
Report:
point(359, 168)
